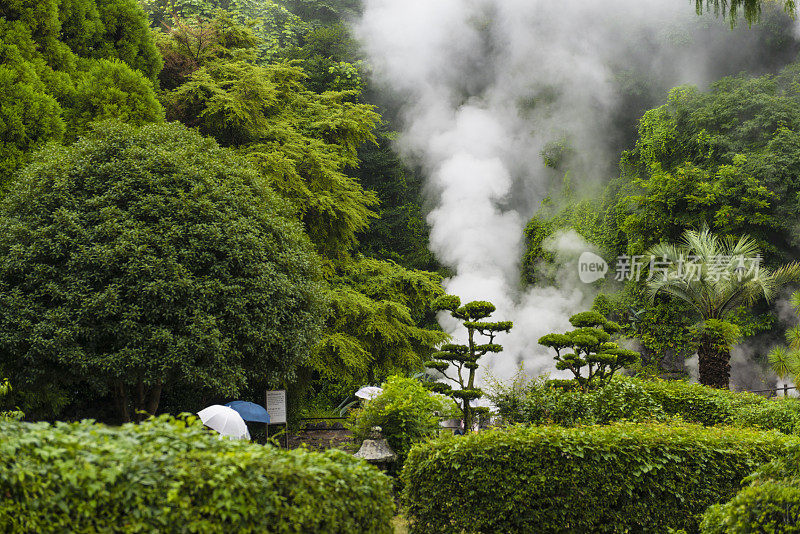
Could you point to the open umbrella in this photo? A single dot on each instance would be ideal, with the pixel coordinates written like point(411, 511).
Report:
point(369, 392)
point(250, 411)
point(224, 420)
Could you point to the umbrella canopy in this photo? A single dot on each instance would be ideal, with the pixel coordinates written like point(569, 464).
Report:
point(250, 411)
point(224, 420)
point(369, 392)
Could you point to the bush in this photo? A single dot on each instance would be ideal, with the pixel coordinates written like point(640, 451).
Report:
point(172, 475)
point(620, 478)
point(406, 412)
point(771, 503)
point(696, 403)
point(539, 402)
point(625, 400)
point(774, 414)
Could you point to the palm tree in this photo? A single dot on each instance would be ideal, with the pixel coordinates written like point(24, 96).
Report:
point(715, 276)
point(785, 360)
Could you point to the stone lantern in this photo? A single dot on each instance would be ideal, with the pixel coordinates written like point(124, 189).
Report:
point(376, 450)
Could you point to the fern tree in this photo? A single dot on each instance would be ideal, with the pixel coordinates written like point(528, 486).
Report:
point(588, 352)
point(463, 359)
point(716, 289)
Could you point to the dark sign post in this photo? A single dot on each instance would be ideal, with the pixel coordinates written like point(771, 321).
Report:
point(276, 408)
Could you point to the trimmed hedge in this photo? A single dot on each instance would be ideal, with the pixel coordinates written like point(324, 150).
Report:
point(696, 403)
point(169, 475)
point(619, 478)
point(634, 399)
point(771, 503)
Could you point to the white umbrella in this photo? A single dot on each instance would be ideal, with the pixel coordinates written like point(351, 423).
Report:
point(369, 392)
point(224, 420)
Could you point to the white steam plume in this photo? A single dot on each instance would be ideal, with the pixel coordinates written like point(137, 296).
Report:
point(486, 85)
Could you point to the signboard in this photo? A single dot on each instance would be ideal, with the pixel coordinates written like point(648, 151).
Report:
point(276, 407)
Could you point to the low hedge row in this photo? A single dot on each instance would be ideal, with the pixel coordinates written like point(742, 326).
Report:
point(633, 399)
point(619, 478)
point(771, 502)
point(696, 403)
point(172, 475)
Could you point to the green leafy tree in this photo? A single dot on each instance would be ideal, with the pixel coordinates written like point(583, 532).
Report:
point(750, 9)
point(588, 352)
point(302, 141)
point(140, 260)
point(464, 357)
point(307, 144)
point(376, 308)
point(66, 63)
point(716, 276)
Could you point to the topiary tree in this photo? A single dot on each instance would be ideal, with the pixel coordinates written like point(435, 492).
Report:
point(464, 358)
point(588, 352)
point(142, 260)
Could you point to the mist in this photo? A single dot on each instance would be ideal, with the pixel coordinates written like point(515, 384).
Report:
point(486, 85)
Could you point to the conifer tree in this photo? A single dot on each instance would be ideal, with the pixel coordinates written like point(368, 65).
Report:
point(464, 358)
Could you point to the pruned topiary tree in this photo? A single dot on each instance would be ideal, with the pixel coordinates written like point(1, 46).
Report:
point(588, 351)
point(464, 358)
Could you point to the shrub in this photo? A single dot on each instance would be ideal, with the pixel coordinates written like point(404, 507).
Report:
point(172, 476)
point(775, 414)
point(625, 400)
point(620, 478)
point(539, 402)
point(768, 507)
point(771, 503)
point(699, 404)
point(406, 412)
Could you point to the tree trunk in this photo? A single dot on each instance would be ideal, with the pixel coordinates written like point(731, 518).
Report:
point(154, 397)
point(121, 399)
point(715, 368)
point(467, 409)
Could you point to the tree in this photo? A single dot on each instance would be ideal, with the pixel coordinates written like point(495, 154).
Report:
point(307, 145)
point(716, 276)
point(785, 360)
point(66, 63)
point(301, 141)
point(376, 308)
point(591, 350)
point(732, 8)
point(143, 259)
point(464, 357)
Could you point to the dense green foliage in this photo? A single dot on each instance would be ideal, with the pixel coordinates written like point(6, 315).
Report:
point(64, 64)
point(463, 358)
point(619, 478)
point(724, 158)
point(716, 277)
point(539, 402)
point(770, 503)
point(8, 415)
point(138, 260)
point(306, 137)
point(406, 412)
point(592, 351)
point(174, 475)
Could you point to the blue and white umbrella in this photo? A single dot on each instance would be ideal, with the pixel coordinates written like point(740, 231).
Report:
point(250, 411)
